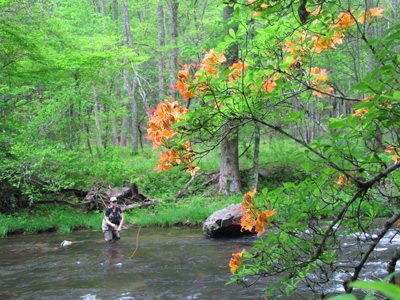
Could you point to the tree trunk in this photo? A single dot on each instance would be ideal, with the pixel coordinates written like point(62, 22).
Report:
point(130, 88)
point(115, 138)
point(173, 6)
point(97, 117)
point(161, 61)
point(256, 165)
point(229, 181)
point(125, 129)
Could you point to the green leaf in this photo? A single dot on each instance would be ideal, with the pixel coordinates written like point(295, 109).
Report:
point(228, 38)
point(389, 290)
point(306, 166)
point(232, 33)
point(180, 123)
point(360, 87)
point(338, 124)
point(396, 95)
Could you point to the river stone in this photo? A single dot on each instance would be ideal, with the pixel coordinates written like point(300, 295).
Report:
point(220, 224)
point(66, 243)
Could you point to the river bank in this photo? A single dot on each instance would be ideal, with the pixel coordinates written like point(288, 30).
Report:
point(64, 219)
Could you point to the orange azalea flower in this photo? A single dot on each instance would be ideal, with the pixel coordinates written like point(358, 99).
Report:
point(360, 112)
point(264, 218)
point(320, 74)
point(319, 82)
point(184, 75)
point(163, 162)
point(192, 169)
point(236, 261)
point(316, 12)
point(345, 20)
point(251, 194)
point(362, 18)
point(398, 225)
point(238, 67)
point(248, 202)
point(344, 180)
point(247, 221)
point(270, 84)
point(184, 82)
point(328, 90)
point(377, 12)
point(322, 44)
point(182, 87)
point(253, 220)
point(290, 47)
point(259, 226)
point(213, 58)
point(391, 149)
point(160, 132)
point(268, 214)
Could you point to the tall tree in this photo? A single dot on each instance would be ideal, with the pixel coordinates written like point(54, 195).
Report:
point(129, 86)
point(229, 180)
point(161, 60)
point(173, 14)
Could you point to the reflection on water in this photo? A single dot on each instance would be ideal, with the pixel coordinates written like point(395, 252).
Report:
point(168, 264)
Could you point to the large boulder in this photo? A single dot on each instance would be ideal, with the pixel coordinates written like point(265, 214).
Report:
point(224, 223)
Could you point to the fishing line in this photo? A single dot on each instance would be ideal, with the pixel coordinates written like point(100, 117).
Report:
point(137, 243)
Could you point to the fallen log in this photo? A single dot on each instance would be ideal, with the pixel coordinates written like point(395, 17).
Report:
point(183, 191)
point(140, 205)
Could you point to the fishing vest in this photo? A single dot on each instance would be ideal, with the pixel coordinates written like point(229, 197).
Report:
point(115, 217)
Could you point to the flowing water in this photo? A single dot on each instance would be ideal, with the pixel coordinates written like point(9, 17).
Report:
point(170, 263)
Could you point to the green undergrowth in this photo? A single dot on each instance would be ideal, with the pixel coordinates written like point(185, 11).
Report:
point(186, 212)
point(113, 166)
point(47, 217)
point(64, 219)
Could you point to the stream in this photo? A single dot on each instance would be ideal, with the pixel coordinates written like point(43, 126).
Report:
point(170, 263)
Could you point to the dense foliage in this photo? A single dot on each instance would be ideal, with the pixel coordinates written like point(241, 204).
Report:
point(276, 82)
point(78, 78)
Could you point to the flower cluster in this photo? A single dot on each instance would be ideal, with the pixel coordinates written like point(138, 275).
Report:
point(375, 12)
point(362, 111)
point(392, 150)
point(237, 70)
point(236, 262)
point(297, 47)
point(253, 218)
point(343, 180)
point(184, 82)
point(319, 81)
point(261, 5)
point(160, 132)
point(210, 66)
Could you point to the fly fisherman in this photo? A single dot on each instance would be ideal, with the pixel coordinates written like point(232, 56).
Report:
point(112, 221)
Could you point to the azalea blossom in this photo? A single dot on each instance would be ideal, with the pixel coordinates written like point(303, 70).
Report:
point(160, 132)
point(376, 12)
point(236, 261)
point(392, 150)
point(344, 180)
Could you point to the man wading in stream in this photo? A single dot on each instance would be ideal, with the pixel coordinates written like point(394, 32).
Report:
point(112, 222)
